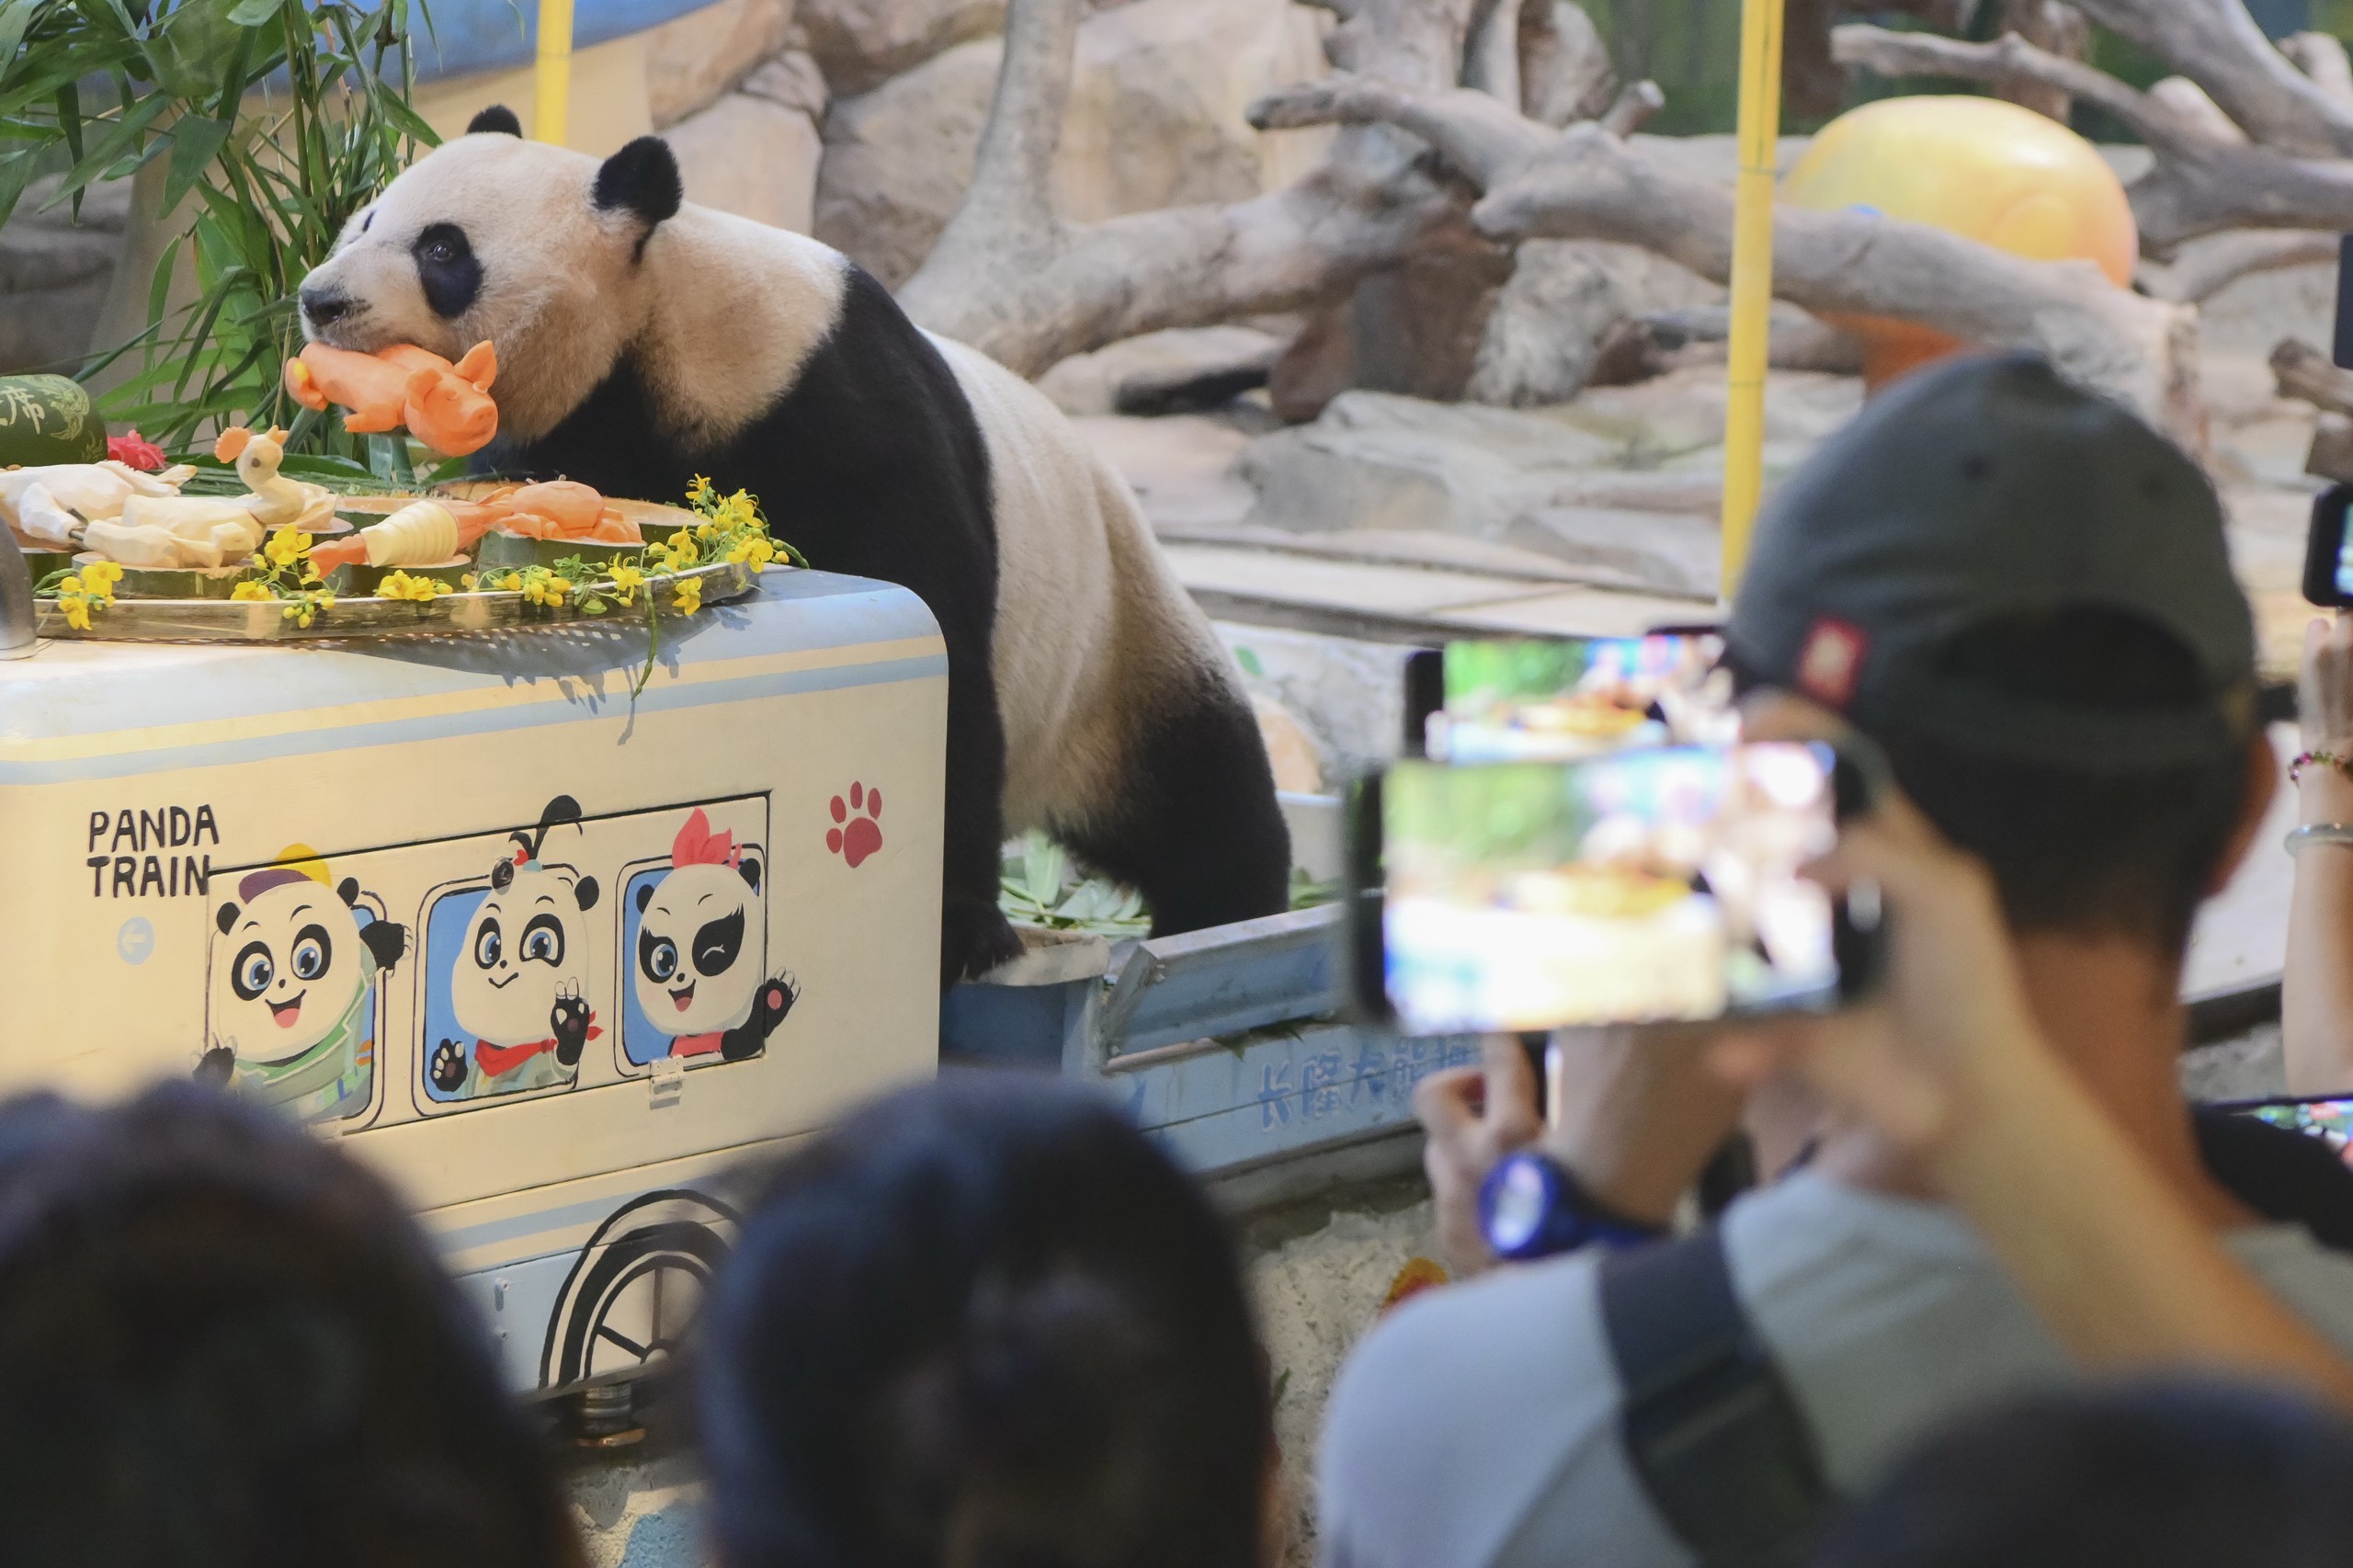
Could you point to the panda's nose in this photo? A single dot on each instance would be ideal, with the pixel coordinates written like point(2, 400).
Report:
point(320, 306)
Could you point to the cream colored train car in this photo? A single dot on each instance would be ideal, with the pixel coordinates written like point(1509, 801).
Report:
point(553, 957)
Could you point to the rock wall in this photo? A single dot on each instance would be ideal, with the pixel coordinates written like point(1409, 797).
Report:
point(1155, 119)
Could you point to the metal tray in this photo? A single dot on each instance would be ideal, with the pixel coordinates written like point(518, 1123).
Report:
point(265, 620)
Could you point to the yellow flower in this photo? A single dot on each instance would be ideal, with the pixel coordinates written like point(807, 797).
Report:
point(72, 584)
point(707, 531)
point(687, 598)
point(698, 491)
point(99, 578)
point(682, 549)
point(418, 590)
point(287, 546)
point(627, 580)
point(514, 582)
point(78, 610)
point(251, 591)
point(469, 580)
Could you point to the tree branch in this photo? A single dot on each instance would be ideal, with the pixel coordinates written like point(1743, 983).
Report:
point(1584, 183)
point(2201, 183)
point(2011, 59)
point(2303, 372)
point(2216, 44)
point(1014, 280)
point(2206, 266)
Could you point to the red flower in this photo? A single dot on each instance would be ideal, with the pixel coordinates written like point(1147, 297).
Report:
point(133, 452)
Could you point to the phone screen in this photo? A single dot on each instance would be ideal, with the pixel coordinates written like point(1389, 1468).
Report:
point(1643, 886)
point(2330, 1120)
point(2328, 556)
point(1559, 699)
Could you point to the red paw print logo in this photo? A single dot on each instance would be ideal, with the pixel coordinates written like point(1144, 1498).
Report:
point(860, 834)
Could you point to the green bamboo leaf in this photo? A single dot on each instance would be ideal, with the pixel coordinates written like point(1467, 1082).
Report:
point(252, 13)
point(119, 138)
point(195, 143)
point(15, 20)
point(17, 171)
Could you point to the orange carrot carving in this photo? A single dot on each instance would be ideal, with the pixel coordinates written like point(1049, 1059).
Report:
point(446, 407)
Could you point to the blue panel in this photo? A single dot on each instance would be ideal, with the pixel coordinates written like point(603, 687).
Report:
point(470, 36)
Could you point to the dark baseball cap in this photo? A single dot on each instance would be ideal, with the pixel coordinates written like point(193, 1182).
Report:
point(1978, 490)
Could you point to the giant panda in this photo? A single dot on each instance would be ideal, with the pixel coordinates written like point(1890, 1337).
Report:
point(642, 341)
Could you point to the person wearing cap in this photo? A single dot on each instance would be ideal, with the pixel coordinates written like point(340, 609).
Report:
point(2022, 594)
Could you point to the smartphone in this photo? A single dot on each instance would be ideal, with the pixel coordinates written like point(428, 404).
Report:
point(1640, 887)
point(1555, 699)
point(2328, 572)
point(2330, 1120)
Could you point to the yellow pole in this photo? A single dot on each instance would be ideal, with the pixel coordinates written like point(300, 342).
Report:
point(1752, 277)
point(552, 82)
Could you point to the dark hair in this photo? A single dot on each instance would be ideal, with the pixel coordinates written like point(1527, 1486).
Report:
point(2181, 1475)
point(2109, 853)
point(223, 1343)
point(983, 1322)
point(2091, 853)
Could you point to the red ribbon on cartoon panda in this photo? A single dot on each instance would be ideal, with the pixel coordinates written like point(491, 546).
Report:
point(697, 846)
point(495, 1059)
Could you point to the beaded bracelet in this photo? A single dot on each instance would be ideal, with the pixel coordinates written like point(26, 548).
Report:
point(2326, 758)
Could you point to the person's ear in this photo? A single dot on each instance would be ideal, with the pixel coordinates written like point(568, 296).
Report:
point(2254, 804)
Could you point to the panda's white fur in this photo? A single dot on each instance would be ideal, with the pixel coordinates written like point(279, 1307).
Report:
point(1093, 641)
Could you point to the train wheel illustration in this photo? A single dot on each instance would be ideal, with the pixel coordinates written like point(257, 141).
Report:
point(636, 1287)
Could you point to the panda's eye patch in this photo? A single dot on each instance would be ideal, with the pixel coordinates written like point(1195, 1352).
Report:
point(656, 955)
point(488, 945)
point(543, 939)
point(312, 952)
point(717, 944)
point(446, 269)
point(252, 972)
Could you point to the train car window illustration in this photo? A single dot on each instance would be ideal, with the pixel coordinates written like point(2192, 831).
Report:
point(292, 988)
point(509, 983)
point(694, 939)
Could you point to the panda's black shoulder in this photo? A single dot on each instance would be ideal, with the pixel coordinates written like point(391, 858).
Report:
point(872, 460)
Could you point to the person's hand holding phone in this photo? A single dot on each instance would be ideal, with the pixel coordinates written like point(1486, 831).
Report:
point(1951, 1018)
point(1641, 1112)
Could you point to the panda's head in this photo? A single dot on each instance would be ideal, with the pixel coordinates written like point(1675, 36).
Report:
point(525, 946)
point(700, 936)
point(537, 248)
point(289, 962)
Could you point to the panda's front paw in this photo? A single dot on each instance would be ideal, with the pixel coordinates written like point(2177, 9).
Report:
point(774, 1000)
point(568, 1021)
point(448, 1068)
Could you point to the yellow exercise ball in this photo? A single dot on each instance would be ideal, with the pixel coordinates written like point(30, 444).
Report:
point(1978, 167)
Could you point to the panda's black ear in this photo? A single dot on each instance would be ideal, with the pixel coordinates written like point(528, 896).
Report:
point(750, 869)
point(497, 119)
point(642, 178)
point(586, 893)
point(226, 918)
point(348, 891)
point(644, 896)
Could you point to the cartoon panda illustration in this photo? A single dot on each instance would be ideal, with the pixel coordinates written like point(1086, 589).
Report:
point(643, 340)
point(700, 932)
point(517, 986)
point(291, 975)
